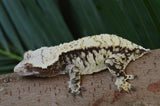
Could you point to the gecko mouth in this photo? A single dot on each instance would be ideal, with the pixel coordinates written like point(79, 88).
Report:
point(27, 73)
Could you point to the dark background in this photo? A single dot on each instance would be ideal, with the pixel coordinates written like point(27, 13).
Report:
point(30, 24)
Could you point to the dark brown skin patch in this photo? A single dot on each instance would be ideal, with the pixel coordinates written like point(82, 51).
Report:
point(42, 56)
point(77, 73)
point(60, 65)
point(94, 56)
point(122, 74)
point(51, 70)
point(112, 67)
point(74, 81)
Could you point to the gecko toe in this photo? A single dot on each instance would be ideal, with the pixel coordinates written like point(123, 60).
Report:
point(79, 94)
point(69, 90)
point(76, 92)
point(73, 94)
point(130, 77)
point(132, 88)
point(82, 89)
point(119, 89)
point(135, 76)
point(127, 92)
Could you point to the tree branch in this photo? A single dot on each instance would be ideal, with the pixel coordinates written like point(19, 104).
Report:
point(100, 88)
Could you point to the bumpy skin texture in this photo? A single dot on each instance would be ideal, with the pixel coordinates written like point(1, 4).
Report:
point(84, 56)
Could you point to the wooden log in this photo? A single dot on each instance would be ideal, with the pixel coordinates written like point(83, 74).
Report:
point(100, 88)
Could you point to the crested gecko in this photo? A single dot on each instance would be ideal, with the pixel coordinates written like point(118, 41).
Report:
point(87, 55)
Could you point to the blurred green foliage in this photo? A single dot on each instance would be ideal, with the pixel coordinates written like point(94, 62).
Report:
point(30, 24)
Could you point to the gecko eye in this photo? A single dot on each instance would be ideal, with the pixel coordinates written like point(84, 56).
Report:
point(28, 66)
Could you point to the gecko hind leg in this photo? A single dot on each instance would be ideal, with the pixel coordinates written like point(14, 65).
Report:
point(116, 64)
point(74, 82)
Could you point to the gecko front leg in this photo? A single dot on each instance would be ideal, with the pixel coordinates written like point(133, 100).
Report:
point(74, 82)
point(116, 64)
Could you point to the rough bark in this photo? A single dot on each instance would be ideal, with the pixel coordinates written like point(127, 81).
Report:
point(100, 88)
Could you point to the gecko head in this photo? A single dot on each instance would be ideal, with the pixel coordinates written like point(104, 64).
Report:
point(25, 68)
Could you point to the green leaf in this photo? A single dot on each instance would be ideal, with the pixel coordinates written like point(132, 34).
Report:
point(115, 20)
point(142, 22)
point(56, 21)
point(18, 15)
point(7, 69)
point(86, 17)
point(3, 41)
point(11, 55)
point(154, 10)
point(9, 30)
point(31, 24)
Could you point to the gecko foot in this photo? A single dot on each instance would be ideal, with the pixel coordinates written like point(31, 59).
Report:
point(121, 83)
point(76, 92)
point(74, 82)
